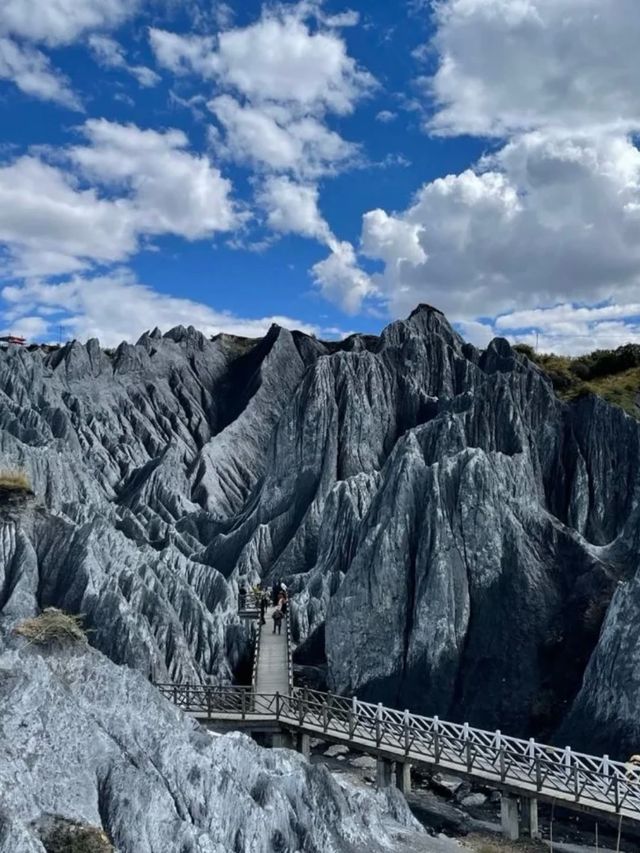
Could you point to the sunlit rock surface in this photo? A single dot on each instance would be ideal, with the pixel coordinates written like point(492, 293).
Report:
point(84, 740)
point(453, 533)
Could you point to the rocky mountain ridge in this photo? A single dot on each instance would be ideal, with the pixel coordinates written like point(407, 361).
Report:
point(453, 532)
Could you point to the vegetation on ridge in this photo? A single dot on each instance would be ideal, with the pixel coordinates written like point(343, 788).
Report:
point(52, 626)
point(611, 374)
point(14, 480)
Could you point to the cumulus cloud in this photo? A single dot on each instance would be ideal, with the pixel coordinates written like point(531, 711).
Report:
point(276, 60)
point(268, 138)
point(59, 22)
point(30, 70)
point(516, 66)
point(545, 219)
point(27, 23)
point(386, 116)
point(553, 216)
point(143, 183)
point(110, 54)
point(341, 280)
point(280, 80)
point(293, 208)
point(117, 307)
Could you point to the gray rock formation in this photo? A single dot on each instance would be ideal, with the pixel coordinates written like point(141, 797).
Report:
point(84, 741)
point(453, 533)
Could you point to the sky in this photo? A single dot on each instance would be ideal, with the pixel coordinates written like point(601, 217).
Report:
point(322, 165)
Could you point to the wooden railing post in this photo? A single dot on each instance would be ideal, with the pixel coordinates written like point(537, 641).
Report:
point(302, 706)
point(353, 716)
point(208, 703)
point(500, 748)
point(436, 739)
point(187, 697)
point(325, 713)
point(379, 724)
point(278, 705)
point(243, 704)
point(467, 747)
point(406, 730)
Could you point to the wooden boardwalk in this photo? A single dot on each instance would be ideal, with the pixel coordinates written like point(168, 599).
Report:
point(273, 660)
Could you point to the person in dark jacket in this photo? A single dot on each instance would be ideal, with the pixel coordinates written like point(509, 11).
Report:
point(264, 601)
point(242, 600)
point(277, 617)
point(275, 592)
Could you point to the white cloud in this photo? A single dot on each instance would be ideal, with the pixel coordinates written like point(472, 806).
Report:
point(547, 218)
point(184, 54)
point(58, 22)
point(267, 137)
point(26, 23)
point(144, 183)
point(277, 59)
point(293, 208)
point(572, 329)
point(517, 65)
point(116, 307)
point(386, 116)
point(33, 74)
point(340, 280)
point(109, 53)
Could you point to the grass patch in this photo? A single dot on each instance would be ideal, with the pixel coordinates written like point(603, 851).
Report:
point(14, 480)
point(68, 836)
point(53, 627)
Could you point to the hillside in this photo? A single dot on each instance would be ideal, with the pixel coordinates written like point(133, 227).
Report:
point(612, 374)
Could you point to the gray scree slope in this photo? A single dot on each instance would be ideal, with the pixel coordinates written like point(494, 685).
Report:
point(453, 532)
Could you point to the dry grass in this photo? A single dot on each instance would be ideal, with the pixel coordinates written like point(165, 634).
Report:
point(14, 480)
point(483, 843)
point(51, 627)
point(71, 837)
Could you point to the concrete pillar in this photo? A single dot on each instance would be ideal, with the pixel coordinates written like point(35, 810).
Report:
point(529, 817)
point(509, 817)
point(384, 773)
point(403, 777)
point(304, 745)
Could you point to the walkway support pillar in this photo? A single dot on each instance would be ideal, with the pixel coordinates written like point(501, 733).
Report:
point(509, 817)
point(282, 740)
point(529, 817)
point(384, 773)
point(304, 745)
point(403, 777)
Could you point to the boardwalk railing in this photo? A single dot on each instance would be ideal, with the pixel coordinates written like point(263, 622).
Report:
point(533, 769)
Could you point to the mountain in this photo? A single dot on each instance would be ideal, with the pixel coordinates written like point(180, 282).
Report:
point(452, 531)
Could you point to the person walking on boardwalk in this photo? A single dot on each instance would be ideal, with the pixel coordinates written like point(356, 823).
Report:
point(242, 597)
point(283, 602)
point(277, 617)
point(275, 592)
point(264, 601)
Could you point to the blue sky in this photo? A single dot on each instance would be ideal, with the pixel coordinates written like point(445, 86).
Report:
point(324, 165)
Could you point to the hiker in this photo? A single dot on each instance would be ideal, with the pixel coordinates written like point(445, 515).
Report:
point(275, 592)
point(243, 597)
point(277, 617)
point(283, 602)
point(264, 601)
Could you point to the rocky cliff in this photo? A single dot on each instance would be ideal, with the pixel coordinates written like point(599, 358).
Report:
point(452, 531)
point(88, 745)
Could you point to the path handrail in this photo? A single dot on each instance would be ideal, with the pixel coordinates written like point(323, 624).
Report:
point(289, 653)
point(598, 783)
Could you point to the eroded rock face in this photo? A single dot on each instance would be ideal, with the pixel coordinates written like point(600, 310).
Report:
point(83, 742)
point(452, 532)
